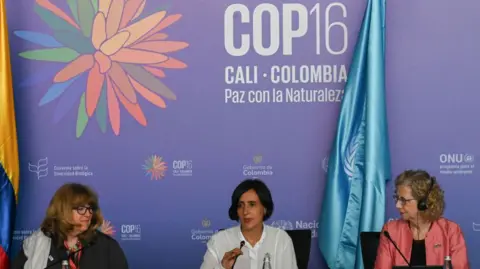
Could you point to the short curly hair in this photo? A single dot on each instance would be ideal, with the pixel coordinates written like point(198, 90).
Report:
point(419, 181)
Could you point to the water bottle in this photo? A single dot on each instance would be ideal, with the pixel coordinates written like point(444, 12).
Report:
point(266, 262)
point(447, 264)
point(65, 264)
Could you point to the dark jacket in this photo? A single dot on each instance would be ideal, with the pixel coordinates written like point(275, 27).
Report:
point(102, 252)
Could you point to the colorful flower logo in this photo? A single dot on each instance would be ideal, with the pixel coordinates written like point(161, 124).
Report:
point(156, 167)
point(123, 51)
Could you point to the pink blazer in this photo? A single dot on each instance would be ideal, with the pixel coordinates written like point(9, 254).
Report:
point(445, 238)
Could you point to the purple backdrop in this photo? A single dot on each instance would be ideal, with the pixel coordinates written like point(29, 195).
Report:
point(165, 174)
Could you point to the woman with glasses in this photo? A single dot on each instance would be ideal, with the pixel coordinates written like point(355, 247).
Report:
point(69, 232)
point(423, 236)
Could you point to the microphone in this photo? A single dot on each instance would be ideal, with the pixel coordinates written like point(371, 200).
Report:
point(70, 254)
point(387, 235)
point(241, 245)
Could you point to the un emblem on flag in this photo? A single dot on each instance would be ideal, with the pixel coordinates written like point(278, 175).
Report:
point(350, 155)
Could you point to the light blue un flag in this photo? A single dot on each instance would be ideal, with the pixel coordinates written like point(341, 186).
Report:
point(359, 164)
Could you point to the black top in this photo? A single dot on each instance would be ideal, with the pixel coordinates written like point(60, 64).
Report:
point(418, 256)
point(103, 252)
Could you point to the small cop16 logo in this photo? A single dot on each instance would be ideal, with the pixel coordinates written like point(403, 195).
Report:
point(131, 232)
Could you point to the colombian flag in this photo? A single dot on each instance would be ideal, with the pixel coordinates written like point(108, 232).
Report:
point(9, 168)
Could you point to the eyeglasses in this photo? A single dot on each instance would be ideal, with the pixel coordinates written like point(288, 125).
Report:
point(402, 200)
point(82, 210)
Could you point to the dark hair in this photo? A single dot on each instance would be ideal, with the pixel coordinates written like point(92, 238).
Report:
point(57, 222)
point(262, 191)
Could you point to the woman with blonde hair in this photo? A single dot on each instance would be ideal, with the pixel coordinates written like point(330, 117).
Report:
point(69, 233)
point(422, 234)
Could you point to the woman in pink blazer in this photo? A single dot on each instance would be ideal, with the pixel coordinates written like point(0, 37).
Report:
point(422, 234)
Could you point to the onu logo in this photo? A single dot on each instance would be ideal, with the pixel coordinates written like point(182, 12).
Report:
point(456, 158)
point(182, 164)
point(132, 228)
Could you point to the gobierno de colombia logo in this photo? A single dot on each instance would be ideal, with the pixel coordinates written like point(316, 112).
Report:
point(257, 168)
point(122, 49)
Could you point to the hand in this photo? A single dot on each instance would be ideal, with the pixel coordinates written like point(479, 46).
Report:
point(229, 258)
point(107, 228)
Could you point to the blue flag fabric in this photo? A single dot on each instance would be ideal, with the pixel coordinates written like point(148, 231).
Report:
point(359, 163)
